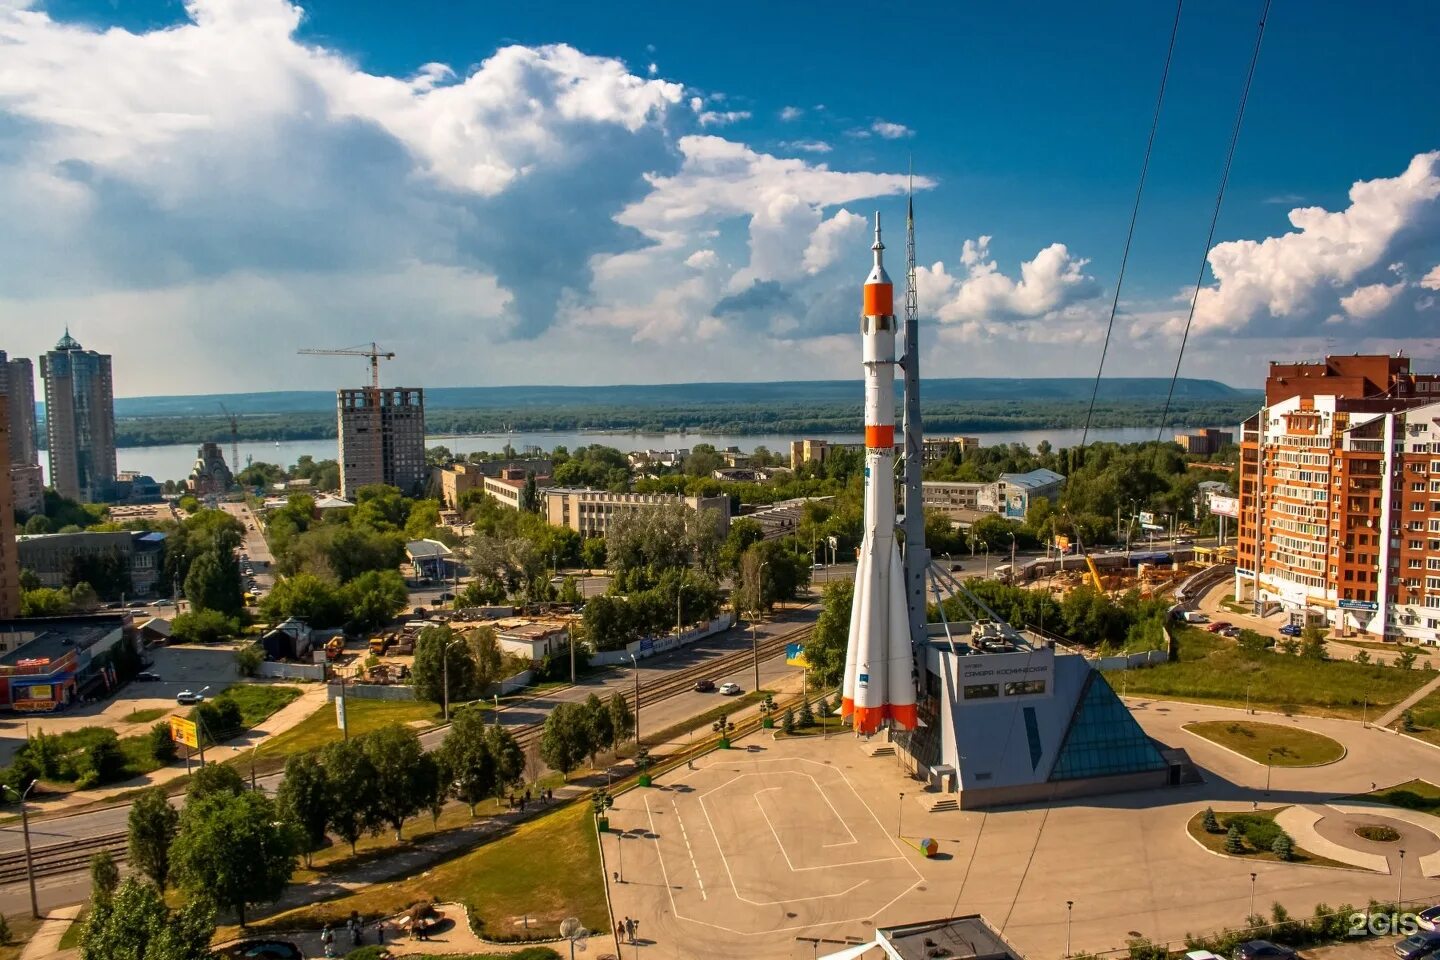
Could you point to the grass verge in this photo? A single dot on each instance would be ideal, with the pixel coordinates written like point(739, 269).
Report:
point(1270, 743)
point(1419, 795)
point(1424, 718)
point(257, 701)
point(145, 716)
point(22, 928)
point(1212, 669)
point(1257, 832)
point(706, 720)
point(547, 869)
point(320, 728)
point(71, 939)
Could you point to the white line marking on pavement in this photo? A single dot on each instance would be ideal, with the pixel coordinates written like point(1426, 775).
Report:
point(685, 834)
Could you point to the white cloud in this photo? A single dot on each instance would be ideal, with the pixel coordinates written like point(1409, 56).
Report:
point(1431, 280)
point(807, 146)
point(792, 113)
point(831, 237)
point(891, 131)
point(1296, 276)
point(1051, 281)
point(653, 69)
point(702, 259)
point(1370, 300)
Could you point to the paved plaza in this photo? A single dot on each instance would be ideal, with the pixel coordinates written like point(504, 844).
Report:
point(759, 851)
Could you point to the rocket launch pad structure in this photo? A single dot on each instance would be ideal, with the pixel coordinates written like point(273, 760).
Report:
point(880, 677)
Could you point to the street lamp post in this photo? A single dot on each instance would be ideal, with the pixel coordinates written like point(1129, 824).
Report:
point(445, 674)
point(900, 814)
point(1268, 755)
point(986, 547)
point(1252, 896)
point(754, 638)
point(497, 709)
point(1069, 907)
point(29, 860)
point(1400, 881)
point(636, 665)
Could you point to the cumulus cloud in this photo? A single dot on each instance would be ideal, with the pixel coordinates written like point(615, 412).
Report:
point(791, 113)
point(831, 237)
point(1051, 281)
point(223, 177)
point(891, 131)
point(1431, 280)
point(806, 146)
point(1333, 261)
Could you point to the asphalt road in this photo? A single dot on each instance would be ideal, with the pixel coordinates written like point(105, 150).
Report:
point(60, 890)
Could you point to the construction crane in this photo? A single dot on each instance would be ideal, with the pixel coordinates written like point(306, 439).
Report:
point(234, 440)
point(371, 350)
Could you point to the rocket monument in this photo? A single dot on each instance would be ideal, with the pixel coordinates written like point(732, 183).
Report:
point(879, 682)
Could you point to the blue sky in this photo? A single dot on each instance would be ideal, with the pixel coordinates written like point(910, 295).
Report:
point(236, 179)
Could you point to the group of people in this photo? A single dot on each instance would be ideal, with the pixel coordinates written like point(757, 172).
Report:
point(520, 801)
point(625, 930)
point(354, 930)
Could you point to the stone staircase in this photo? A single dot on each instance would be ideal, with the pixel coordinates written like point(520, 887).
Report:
point(940, 802)
point(879, 748)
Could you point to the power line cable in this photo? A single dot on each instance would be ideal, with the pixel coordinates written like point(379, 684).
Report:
point(1214, 219)
point(1134, 215)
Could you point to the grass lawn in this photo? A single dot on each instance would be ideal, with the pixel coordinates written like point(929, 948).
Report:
point(258, 700)
point(145, 716)
point(1213, 669)
point(1426, 717)
point(71, 939)
point(320, 728)
point(1419, 795)
point(547, 868)
point(1270, 742)
point(1258, 832)
point(529, 953)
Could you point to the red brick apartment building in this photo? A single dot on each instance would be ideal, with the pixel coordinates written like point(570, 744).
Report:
point(1340, 497)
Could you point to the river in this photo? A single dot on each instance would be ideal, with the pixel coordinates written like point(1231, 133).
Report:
point(173, 461)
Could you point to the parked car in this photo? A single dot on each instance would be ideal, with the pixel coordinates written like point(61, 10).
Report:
point(137, 604)
point(1418, 946)
point(729, 689)
point(1429, 918)
point(164, 603)
point(1264, 950)
point(1217, 626)
point(956, 567)
point(147, 676)
point(1291, 630)
point(188, 697)
point(1230, 632)
point(704, 686)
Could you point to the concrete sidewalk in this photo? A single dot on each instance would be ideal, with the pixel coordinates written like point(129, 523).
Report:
point(1395, 712)
point(45, 945)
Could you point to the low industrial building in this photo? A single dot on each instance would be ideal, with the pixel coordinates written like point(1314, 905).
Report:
point(590, 512)
point(1015, 492)
point(533, 639)
point(430, 558)
point(955, 938)
point(933, 449)
point(954, 499)
point(291, 639)
point(49, 663)
point(454, 480)
point(1204, 442)
point(60, 559)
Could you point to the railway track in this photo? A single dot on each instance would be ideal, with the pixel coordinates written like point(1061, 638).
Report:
point(74, 856)
point(58, 858)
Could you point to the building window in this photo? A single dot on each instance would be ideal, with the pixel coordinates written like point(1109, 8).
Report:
point(1023, 688)
point(981, 691)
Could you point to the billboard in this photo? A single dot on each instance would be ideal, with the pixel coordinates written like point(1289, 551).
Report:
point(985, 678)
point(1223, 506)
point(795, 655)
point(183, 731)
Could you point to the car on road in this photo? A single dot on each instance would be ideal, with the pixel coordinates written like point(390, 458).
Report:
point(189, 696)
point(147, 676)
point(1217, 626)
point(1418, 946)
point(1291, 630)
point(447, 595)
point(729, 689)
point(1429, 918)
point(137, 604)
point(1231, 631)
point(164, 603)
point(1264, 950)
point(704, 686)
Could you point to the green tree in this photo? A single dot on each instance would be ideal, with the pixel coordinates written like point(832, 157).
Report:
point(152, 826)
point(592, 553)
point(467, 760)
point(1312, 644)
point(622, 720)
point(1210, 822)
point(429, 672)
point(104, 760)
point(374, 598)
point(565, 738)
point(601, 732)
point(304, 799)
point(304, 595)
point(432, 788)
point(509, 758)
point(394, 752)
point(1234, 840)
point(826, 648)
point(1283, 847)
point(213, 779)
point(104, 876)
point(213, 583)
point(787, 720)
point(248, 660)
point(162, 745)
point(1406, 660)
point(44, 602)
point(1363, 658)
point(135, 924)
point(352, 789)
point(204, 626)
point(806, 717)
point(234, 850)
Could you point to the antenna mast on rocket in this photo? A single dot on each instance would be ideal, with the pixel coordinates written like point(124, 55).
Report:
point(917, 556)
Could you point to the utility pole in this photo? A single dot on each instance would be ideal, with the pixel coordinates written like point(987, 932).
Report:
point(636, 665)
point(29, 860)
point(754, 639)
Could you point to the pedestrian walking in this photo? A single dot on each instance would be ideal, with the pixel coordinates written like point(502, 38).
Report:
point(380, 932)
point(620, 931)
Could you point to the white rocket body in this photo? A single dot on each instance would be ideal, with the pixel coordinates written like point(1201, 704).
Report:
point(878, 661)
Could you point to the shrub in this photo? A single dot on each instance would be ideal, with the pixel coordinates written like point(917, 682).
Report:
point(787, 722)
point(4, 930)
point(1284, 848)
point(248, 660)
point(371, 952)
point(807, 716)
point(823, 707)
point(1233, 841)
point(162, 747)
point(1211, 824)
point(204, 626)
point(103, 761)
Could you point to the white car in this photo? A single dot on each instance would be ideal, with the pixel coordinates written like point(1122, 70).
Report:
point(1429, 919)
point(729, 689)
point(189, 696)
